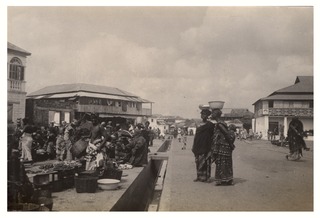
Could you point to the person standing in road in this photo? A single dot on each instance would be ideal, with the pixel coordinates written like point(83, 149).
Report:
point(295, 139)
point(281, 132)
point(201, 147)
point(145, 131)
point(184, 139)
point(222, 147)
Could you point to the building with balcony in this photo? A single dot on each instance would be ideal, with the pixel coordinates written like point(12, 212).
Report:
point(16, 83)
point(277, 109)
point(68, 101)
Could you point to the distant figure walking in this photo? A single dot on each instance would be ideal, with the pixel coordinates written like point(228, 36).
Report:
point(202, 146)
point(295, 139)
point(179, 134)
point(184, 140)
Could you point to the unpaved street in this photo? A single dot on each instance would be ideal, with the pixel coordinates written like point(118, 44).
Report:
point(264, 181)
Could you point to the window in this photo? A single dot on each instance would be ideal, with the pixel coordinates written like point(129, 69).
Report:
point(297, 104)
point(54, 116)
point(118, 103)
point(278, 104)
point(10, 112)
point(67, 117)
point(16, 71)
point(109, 102)
point(270, 104)
point(311, 104)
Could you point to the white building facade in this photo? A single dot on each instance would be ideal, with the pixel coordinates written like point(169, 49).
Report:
point(16, 82)
point(278, 109)
point(159, 123)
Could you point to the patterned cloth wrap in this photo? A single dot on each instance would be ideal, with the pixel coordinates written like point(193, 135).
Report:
point(92, 153)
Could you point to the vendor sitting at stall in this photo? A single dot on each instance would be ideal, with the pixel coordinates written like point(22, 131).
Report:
point(98, 138)
point(20, 189)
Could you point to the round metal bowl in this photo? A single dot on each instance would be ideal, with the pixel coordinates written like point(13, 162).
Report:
point(108, 184)
point(216, 104)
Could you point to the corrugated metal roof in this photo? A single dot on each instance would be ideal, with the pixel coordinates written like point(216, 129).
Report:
point(92, 95)
point(302, 89)
point(88, 90)
point(288, 97)
point(16, 48)
point(76, 87)
point(303, 84)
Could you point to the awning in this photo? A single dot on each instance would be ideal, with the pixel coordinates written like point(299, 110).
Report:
point(119, 115)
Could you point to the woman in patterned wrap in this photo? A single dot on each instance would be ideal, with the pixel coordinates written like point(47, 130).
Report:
point(201, 147)
point(295, 138)
point(222, 147)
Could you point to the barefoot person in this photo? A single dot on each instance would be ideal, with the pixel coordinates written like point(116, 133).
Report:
point(201, 147)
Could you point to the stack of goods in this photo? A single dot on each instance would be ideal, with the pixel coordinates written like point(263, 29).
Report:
point(66, 171)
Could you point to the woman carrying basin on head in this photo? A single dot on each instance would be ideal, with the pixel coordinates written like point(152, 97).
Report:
point(202, 146)
point(222, 147)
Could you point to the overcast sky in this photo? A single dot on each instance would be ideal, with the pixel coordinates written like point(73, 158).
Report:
point(177, 57)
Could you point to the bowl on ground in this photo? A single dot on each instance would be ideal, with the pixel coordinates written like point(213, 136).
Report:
point(108, 184)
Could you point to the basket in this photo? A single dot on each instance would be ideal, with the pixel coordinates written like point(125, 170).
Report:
point(57, 186)
point(65, 179)
point(85, 183)
point(41, 179)
point(68, 182)
point(112, 173)
point(78, 148)
point(92, 173)
point(216, 104)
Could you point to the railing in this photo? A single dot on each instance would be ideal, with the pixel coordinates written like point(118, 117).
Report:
point(16, 85)
point(276, 112)
point(113, 110)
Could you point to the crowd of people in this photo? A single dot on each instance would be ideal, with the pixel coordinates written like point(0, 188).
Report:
point(244, 134)
point(86, 139)
point(129, 143)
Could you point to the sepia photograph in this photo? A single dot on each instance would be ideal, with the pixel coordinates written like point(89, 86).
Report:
point(160, 108)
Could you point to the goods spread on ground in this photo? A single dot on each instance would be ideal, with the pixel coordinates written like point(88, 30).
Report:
point(56, 166)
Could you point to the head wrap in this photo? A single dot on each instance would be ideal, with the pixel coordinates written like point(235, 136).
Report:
point(206, 112)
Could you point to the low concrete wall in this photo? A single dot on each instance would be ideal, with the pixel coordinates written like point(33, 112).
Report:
point(139, 194)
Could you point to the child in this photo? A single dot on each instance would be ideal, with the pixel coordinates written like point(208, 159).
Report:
point(184, 140)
